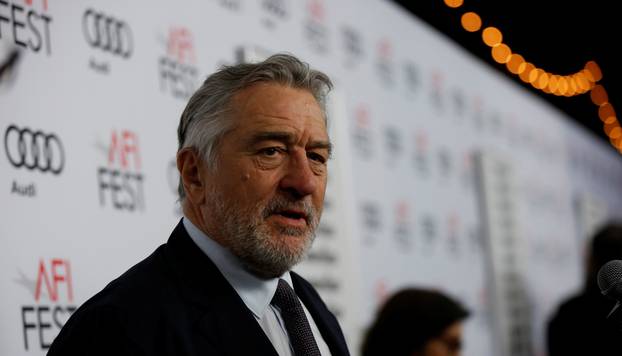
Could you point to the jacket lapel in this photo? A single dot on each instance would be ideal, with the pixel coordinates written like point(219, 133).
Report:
point(323, 318)
point(222, 318)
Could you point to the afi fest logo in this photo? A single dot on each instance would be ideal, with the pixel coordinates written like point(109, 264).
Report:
point(403, 233)
point(315, 28)
point(436, 90)
point(453, 234)
point(178, 73)
point(384, 63)
point(274, 11)
point(361, 133)
point(32, 150)
point(353, 47)
point(233, 5)
point(120, 181)
point(429, 232)
point(421, 157)
point(412, 77)
point(393, 144)
point(371, 221)
point(107, 35)
point(52, 291)
point(26, 26)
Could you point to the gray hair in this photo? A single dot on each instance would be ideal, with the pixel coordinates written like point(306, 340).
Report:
point(204, 121)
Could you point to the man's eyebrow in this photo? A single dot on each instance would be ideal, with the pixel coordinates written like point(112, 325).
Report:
point(285, 137)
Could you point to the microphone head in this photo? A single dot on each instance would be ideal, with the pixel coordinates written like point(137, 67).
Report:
point(610, 279)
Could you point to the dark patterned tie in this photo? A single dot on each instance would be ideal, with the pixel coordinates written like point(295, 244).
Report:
point(296, 323)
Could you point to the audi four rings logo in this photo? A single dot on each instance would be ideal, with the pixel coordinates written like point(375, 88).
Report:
point(107, 33)
point(34, 150)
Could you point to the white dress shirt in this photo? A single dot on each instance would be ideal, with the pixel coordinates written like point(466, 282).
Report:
point(255, 292)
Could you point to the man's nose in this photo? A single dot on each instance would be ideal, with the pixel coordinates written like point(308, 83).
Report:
point(299, 179)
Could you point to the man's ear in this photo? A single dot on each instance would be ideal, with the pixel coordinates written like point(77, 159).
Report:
point(191, 170)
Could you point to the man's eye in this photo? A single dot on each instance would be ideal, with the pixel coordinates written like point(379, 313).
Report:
point(316, 157)
point(271, 151)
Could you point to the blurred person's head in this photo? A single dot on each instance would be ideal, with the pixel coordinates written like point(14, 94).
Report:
point(606, 245)
point(417, 322)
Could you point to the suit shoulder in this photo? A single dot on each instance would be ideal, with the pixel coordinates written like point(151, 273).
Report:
point(123, 304)
point(134, 290)
point(143, 279)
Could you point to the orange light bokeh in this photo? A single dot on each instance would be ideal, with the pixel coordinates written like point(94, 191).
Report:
point(525, 74)
point(492, 36)
point(594, 69)
point(599, 95)
point(514, 63)
point(605, 111)
point(553, 83)
point(501, 53)
point(471, 22)
point(615, 133)
point(454, 3)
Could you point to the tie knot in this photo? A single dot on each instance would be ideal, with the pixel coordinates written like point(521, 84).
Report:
point(285, 298)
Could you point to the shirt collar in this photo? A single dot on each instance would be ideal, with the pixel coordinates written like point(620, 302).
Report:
point(256, 293)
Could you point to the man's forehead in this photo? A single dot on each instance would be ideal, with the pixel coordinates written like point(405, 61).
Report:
point(275, 98)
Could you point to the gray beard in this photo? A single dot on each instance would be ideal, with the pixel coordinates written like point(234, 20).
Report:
point(247, 236)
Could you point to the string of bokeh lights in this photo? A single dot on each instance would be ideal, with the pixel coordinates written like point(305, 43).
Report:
point(581, 82)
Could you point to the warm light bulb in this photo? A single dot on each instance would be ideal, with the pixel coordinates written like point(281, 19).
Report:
point(471, 22)
point(594, 69)
point(605, 111)
point(615, 133)
point(562, 85)
point(539, 79)
point(553, 83)
point(543, 80)
point(454, 3)
point(524, 75)
point(533, 76)
point(610, 120)
point(514, 63)
point(582, 82)
point(573, 88)
point(599, 95)
point(609, 127)
point(492, 36)
point(501, 53)
point(588, 75)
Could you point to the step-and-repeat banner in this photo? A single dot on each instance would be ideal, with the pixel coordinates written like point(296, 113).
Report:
point(446, 175)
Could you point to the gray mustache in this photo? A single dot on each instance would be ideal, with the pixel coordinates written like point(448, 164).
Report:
point(280, 203)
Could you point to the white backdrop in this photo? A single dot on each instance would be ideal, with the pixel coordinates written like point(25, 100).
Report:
point(412, 114)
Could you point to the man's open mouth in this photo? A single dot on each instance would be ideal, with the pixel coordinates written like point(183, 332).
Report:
point(292, 214)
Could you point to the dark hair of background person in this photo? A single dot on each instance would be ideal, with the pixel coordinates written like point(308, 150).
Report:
point(408, 320)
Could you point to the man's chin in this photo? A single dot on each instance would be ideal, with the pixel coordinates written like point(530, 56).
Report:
point(286, 251)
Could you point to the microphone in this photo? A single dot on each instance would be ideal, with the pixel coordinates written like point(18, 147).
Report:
point(610, 282)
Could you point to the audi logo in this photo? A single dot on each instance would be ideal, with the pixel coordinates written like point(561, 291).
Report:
point(107, 33)
point(34, 150)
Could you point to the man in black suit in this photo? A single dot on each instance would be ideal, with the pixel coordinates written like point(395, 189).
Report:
point(253, 151)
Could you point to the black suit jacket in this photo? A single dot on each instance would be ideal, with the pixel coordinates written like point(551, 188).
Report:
point(176, 302)
point(580, 327)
